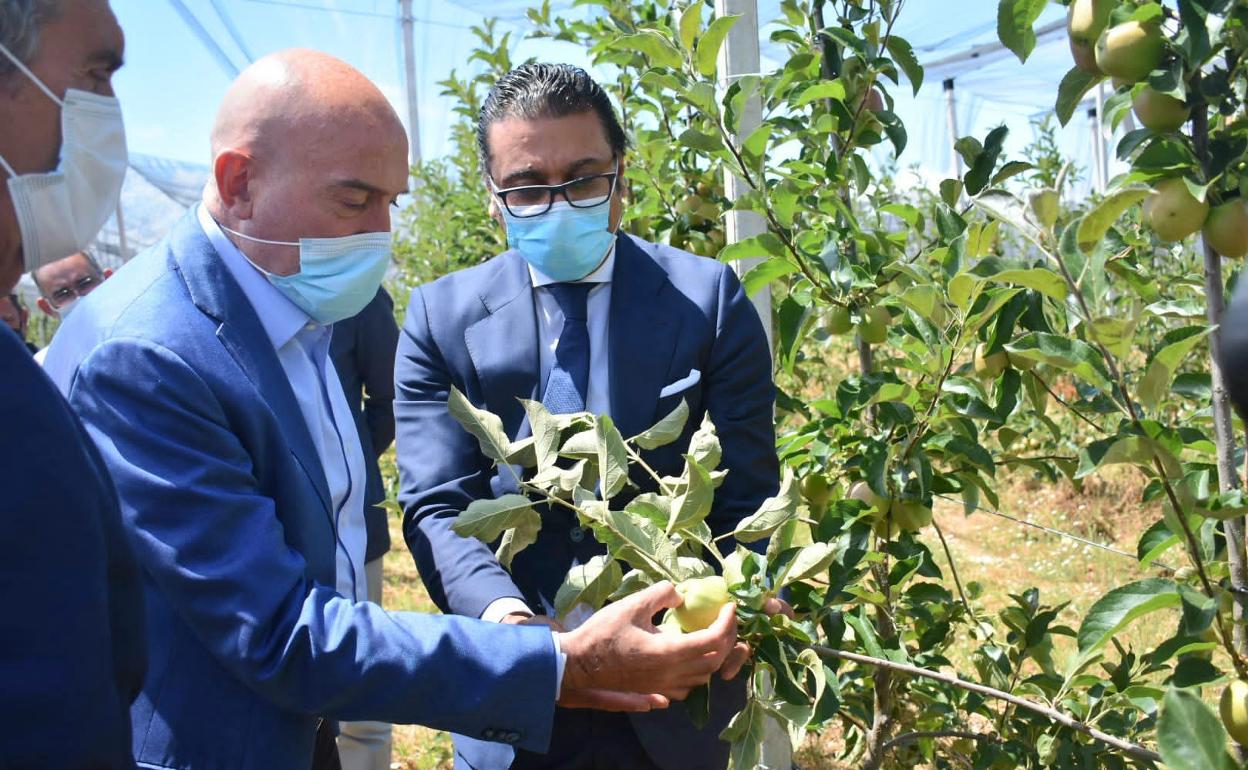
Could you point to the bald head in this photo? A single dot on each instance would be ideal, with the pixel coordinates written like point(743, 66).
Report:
point(304, 145)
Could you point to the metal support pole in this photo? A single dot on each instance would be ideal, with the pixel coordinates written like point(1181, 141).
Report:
point(738, 56)
point(1101, 139)
point(409, 66)
point(951, 116)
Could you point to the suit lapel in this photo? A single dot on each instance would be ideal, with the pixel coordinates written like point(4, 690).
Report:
point(503, 345)
point(215, 292)
point(642, 330)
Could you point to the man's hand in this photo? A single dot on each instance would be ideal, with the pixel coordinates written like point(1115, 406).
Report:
point(740, 653)
point(525, 619)
point(619, 661)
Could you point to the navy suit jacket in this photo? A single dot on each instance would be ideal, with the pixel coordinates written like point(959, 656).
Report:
point(362, 349)
point(228, 510)
point(71, 633)
point(671, 312)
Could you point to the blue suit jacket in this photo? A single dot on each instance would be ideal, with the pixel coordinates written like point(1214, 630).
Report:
point(228, 509)
point(362, 349)
point(671, 312)
point(71, 633)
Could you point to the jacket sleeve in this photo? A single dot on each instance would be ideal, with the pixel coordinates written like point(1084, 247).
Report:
point(215, 548)
point(441, 471)
point(377, 338)
point(740, 399)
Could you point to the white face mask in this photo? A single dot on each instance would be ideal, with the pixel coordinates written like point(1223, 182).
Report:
point(61, 212)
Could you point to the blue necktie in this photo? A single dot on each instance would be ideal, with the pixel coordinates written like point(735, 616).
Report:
point(567, 387)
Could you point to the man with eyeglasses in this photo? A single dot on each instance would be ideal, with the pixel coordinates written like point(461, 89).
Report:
point(580, 317)
point(63, 282)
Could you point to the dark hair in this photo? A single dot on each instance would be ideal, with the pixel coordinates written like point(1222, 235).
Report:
point(540, 90)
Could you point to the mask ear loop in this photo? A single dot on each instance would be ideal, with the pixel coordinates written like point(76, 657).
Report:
point(7, 167)
point(26, 70)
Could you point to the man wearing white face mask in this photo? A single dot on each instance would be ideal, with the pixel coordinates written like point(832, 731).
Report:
point(71, 634)
point(202, 372)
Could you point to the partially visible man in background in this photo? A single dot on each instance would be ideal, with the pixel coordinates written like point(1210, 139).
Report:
point(63, 282)
point(362, 349)
point(15, 316)
point(72, 632)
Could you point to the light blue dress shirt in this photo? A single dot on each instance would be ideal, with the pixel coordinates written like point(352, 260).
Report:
point(302, 347)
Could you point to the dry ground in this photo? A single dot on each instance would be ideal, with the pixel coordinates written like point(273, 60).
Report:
point(1001, 555)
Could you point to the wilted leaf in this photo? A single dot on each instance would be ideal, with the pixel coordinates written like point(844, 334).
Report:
point(485, 426)
point(591, 583)
point(774, 512)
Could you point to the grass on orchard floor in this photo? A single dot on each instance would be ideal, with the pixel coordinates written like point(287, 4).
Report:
point(1001, 555)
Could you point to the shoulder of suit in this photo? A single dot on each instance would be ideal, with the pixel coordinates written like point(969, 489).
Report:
point(674, 261)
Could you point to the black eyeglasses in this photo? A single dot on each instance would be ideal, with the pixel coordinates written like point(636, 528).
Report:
point(534, 200)
point(80, 288)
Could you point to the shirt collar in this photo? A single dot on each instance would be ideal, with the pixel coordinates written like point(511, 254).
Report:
point(281, 318)
point(601, 274)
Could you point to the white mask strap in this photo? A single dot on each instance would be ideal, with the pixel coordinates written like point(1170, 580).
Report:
point(7, 167)
point(256, 240)
point(17, 63)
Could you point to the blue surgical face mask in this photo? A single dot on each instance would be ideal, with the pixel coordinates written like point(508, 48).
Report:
point(337, 276)
point(565, 243)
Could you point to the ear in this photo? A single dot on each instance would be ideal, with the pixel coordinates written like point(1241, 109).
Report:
point(46, 307)
point(232, 172)
point(108, 273)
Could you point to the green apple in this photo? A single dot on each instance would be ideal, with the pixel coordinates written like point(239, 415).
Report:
point(874, 326)
point(702, 599)
point(1234, 708)
point(1173, 212)
point(1130, 51)
point(815, 489)
point(910, 515)
point(1085, 22)
point(670, 625)
point(1159, 112)
point(837, 321)
point(1226, 229)
point(989, 366)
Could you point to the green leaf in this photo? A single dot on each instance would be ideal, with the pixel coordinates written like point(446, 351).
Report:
point(1010, 209)
point(1189, 736)
point(977, 177)
point(712, 40)
point(485, 426)
point(665, 431)
point(903, 54)
point(827, 89)
point(765, 245)
point(654, 45)
point(1156, 382)
point(591, 583)
point(811, 561)
point(1070, 93)
point(1096, 223)
point(745, 733)
point(1071, 355)
point(546, 433)
point(691, 24)
point(1039, 279)
point(612, 457)
point(765, 272)
point(694, 504)
point(488, 520)
point(1118, 608)
point(638, 542)
point(704, 445)
point(1154, 542)
point(773, 513)
point(1015, 19)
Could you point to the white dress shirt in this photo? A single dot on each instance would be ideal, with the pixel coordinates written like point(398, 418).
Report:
point(302, 347)
point(598, 399)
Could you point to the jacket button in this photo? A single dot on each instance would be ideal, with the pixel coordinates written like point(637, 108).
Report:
point(512, 737)
point(489, 734)
point(577, 534)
